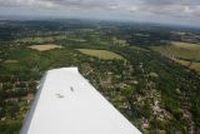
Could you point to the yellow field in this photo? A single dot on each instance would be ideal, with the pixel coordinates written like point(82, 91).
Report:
point(10, 61)
point(185, 45)
point(195, 66)
point(192, 65)
point(178, 51)
point(44, 47)
point(101, 54)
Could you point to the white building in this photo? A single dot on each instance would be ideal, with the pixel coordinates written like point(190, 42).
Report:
point(66, 103)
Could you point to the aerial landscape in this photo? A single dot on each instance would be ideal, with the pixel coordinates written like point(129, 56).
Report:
point(148, 70)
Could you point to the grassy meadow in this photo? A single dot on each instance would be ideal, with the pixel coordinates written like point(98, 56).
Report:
point(186, 54)
point(101, 54)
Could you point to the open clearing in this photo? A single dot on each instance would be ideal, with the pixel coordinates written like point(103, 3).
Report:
point(101, 54)
point(186, 54)
point(10, 61)
point(192, 65)
point(45, 47)
point(181, 50)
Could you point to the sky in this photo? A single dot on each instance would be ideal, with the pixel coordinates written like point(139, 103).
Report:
point(181, 12)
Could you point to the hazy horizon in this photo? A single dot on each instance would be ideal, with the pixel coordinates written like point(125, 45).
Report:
point(178, 12)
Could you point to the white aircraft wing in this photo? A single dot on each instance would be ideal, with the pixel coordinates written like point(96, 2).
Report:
point(66, 103)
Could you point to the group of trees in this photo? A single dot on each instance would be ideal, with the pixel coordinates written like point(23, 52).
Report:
point(136, 86)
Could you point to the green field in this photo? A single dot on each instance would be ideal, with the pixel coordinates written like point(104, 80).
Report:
point(101, 54)
point(180, 50)
point(186, 54)
point(144, 83)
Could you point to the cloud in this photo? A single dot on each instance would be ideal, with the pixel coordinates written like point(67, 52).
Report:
point(130, 9)
point(26, 3)
point(171, 2)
